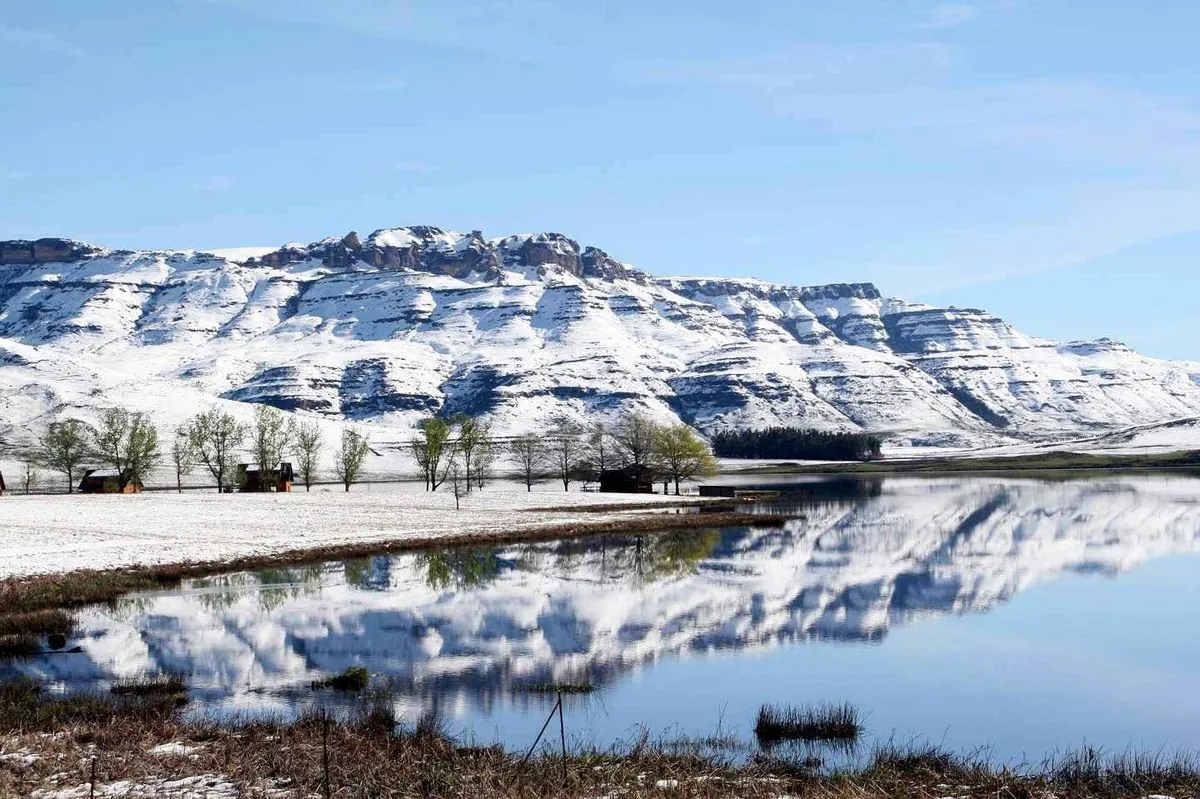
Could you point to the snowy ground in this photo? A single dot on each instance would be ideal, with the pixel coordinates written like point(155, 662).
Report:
point(47, 534)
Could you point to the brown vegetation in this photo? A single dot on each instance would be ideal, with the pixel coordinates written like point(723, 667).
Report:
point(59, 743)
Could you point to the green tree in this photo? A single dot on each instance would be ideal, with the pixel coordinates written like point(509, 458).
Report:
point(432, 448)
point(65, 446)
point(681, 454)
point(473, 434)
point(215, 435)
point(308, 452)
point(128, 442)
point(349, 458)
point(270, 434)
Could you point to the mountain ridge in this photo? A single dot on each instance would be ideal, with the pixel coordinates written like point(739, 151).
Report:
point(413, 320)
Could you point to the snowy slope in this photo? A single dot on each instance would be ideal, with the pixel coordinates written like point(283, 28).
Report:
point(415, 320)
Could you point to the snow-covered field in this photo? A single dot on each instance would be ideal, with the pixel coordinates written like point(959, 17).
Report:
point(47, 534)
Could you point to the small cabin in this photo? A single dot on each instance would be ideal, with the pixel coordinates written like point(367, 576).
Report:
point(254, 479)
point(626, 481)
point(108, 481)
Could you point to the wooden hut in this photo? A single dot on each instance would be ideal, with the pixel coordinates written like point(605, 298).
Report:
point(254, 479)
point(626, 481)
point(108, 481)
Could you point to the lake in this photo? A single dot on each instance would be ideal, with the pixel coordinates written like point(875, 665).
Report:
point(1020, 616)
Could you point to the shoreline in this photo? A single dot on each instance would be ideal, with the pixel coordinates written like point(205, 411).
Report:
point(32, 594)
point(1057, 463)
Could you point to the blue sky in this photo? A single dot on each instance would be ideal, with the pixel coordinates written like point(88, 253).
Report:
point(1037, 158)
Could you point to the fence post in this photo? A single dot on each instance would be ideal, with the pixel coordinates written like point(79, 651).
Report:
point(92, 782)
point(562, 734)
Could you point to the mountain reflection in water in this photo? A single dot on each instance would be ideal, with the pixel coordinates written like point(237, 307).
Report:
point(459, 631)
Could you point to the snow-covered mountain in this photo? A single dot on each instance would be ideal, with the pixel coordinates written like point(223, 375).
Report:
point(419, 319)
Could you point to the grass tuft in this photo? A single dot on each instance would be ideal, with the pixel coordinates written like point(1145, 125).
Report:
point(557, 688)
point(39, 622)
point(354, 678)
point(820, 723)
point(158, 685)
point(13, 647)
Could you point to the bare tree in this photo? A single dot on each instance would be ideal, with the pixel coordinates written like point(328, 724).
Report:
point(183, 456)
point(215, 435)
point(308, 451)
point(482, 459)
point(600, 450)
point(65, 446)
point(682, 454)
point(530, 454)
point(348, 460)
point(32, 475)
point(458, 482)
point(270, 434)
point(128, 442)
point(634, 439)
point(566, 450)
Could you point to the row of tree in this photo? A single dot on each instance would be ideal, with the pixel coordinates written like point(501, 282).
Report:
point(461, 450)
point(796, 442)
point(129, 443)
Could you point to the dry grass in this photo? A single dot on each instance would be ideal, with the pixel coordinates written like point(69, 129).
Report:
point(158, 685)
point(820, 723)
point(18, 646)
point(370, 755)
point(557, 688)
point(41, 622)
point(30, 595)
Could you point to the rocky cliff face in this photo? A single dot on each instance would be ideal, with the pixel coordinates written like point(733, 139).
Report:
point(43, 251)
point(415, 320)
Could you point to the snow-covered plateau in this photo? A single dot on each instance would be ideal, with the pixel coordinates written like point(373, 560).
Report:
point(524, 328)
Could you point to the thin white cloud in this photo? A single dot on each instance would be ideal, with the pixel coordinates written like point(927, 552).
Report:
point(1107, 221)
point(216, 183)
point(38, 41)
point(811, 67)
point(950, 15)
point(1104, 168)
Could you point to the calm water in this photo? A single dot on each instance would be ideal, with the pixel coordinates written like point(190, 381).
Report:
point(1022, 615)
